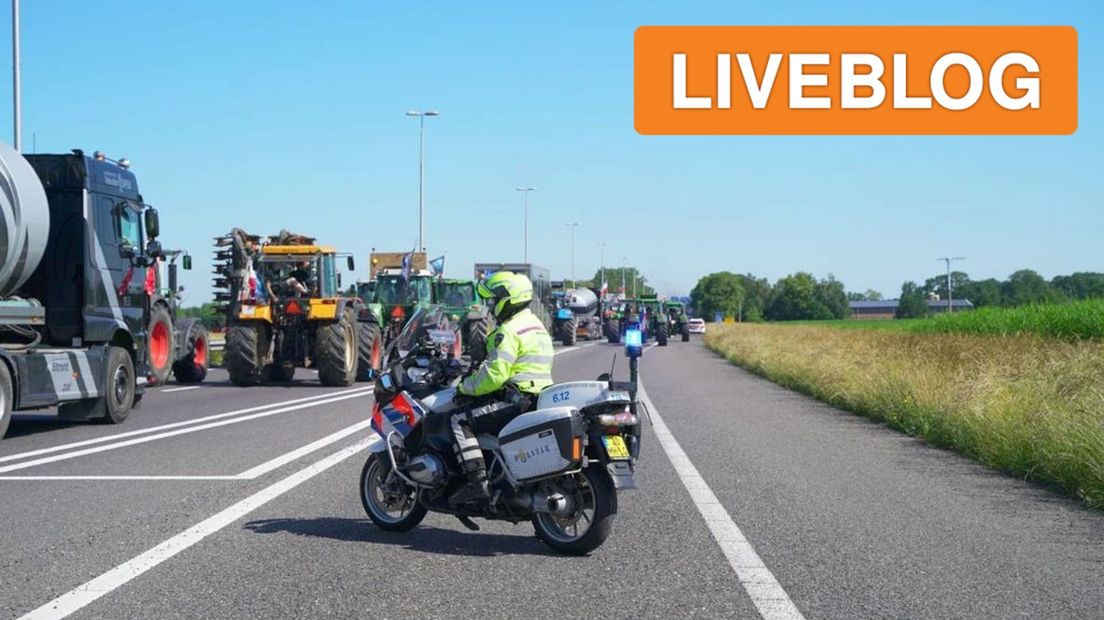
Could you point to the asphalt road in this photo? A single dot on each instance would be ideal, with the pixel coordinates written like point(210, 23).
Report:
point(242, 503)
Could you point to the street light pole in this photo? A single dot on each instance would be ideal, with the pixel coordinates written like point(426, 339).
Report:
point(573, 226)
point(17, 105)
point(421, 172)
point(525, 191)
point(603, 265)
point(624, 262)
point(950, 288)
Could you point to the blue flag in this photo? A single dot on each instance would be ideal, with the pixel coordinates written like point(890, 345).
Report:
point(407, 260)
point(437, 265)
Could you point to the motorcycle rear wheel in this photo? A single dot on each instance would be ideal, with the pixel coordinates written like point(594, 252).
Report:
point(391, 505)
point(591, 524)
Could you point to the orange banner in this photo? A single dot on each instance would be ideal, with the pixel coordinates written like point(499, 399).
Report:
point(834, 80)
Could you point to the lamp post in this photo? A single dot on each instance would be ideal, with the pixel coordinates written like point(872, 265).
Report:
point(421, 172)
point(573, 226)
point(950, 292)
point(525, 191)
point(624, 262)
point(17, 104)
point(602, 244)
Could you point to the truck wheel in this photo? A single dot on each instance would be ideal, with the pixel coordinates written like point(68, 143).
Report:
point(120, 386)
point(6, 397)
point(279, 373)
point(569, 332)
point(159, 344)
point(613, 332)
point(661, 334)
point(369, 349)
point(478, 333)
point(245, 352)
point(191, 367)
point(335, 351)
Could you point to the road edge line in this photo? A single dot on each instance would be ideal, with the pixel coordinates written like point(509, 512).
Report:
point(768, 596)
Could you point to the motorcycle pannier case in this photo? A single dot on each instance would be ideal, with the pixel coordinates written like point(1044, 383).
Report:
point(539, 443)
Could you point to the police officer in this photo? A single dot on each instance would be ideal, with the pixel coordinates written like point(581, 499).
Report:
point(517, 367)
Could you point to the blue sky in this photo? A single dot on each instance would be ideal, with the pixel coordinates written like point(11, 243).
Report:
point(270, 115)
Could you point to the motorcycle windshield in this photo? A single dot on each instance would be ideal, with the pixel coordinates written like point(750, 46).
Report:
point(418, 329)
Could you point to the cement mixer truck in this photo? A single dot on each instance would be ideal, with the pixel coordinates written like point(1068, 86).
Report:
point(78, 291)
point(577, 316)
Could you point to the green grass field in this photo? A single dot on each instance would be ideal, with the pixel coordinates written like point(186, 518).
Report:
point(1083, 320)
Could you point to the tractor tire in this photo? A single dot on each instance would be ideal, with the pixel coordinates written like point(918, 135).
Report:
point(245, 353)
point(613, 332)
point(369, 350)
point(478, 333)
point(159, 344)
point(191, 366)
point(279, 373)
point(661, 334)
point(335, 350)
point(685, 331)
point(569, 332)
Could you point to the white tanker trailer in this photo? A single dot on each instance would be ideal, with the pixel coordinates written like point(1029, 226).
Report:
point(81, 311)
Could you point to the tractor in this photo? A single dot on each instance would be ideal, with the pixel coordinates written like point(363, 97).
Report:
point(460, 302)
point(285, 311)
point(390, 298)
point(176, 345)
point(678, 321)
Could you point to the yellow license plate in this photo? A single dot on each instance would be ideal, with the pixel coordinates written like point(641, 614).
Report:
point(615, 446)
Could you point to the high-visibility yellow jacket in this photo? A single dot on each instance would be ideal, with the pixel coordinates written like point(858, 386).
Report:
point(518, 352)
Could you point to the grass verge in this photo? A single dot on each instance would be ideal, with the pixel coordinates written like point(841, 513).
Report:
point(1024, 404)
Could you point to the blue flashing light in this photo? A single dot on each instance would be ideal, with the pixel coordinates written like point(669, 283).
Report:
point(634, 343)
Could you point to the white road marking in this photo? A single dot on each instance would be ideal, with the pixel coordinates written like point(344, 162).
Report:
point(249, 474)
point(177, 432)
point(760, 584)
point(181, 389)
point(96, 478)
point(83, 595)
point(162, 427)
point(282, 460)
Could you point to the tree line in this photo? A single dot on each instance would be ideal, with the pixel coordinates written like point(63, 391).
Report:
point(801, 296)
point(1021, 288)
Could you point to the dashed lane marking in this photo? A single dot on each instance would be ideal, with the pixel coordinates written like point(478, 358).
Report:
point(179, 431)
point(81, 596)
point(164, 427)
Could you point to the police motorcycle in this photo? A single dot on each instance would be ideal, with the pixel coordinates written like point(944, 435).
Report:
point(559, 466)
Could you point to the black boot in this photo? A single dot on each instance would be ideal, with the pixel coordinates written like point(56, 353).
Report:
point(475, 489)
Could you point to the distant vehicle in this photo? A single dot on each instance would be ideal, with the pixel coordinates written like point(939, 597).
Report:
point(697, 326)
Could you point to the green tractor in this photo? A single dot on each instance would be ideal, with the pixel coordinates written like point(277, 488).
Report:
point(389, 300)
point(464, 307)
point(657, 318)
point(678, 321)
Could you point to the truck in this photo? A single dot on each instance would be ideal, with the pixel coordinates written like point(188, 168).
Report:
point(577, 316)
point(542, 286)
point(78, 245)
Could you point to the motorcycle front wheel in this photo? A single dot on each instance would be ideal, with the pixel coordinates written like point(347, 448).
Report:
point(587, 527)
point(390, 502)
